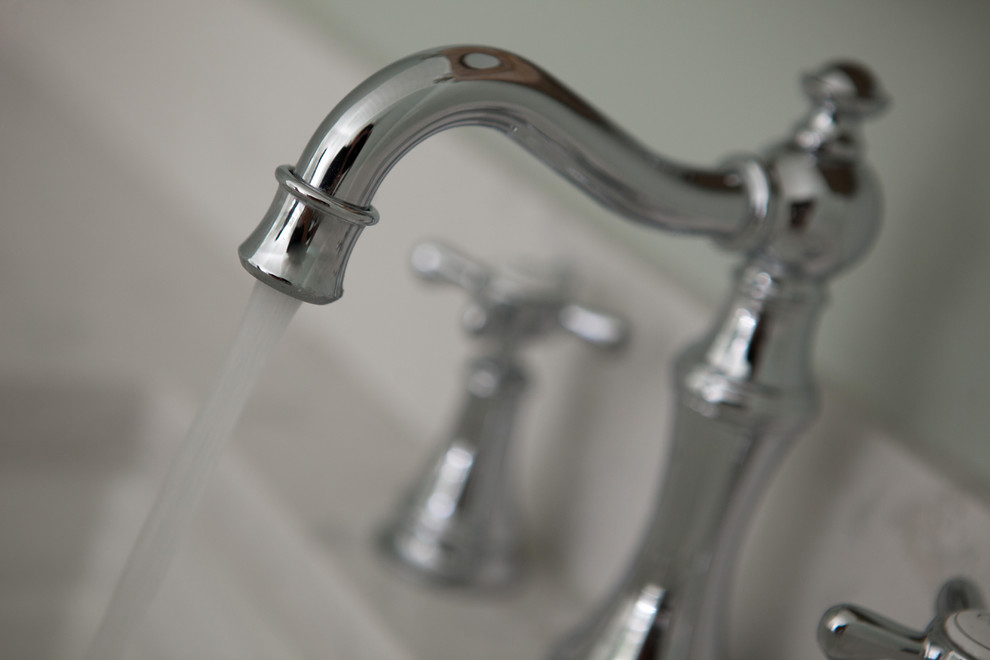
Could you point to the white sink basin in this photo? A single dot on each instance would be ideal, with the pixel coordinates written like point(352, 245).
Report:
point(79, 466)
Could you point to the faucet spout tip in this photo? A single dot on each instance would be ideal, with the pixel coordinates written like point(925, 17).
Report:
point(302, 245)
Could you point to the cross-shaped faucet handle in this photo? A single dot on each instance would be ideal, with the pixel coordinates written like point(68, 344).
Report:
point(519, 301)
point(959, 631)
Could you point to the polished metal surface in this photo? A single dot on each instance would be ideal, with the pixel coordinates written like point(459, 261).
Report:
point(303, 244)
point(801, 212)
point(458, 524)
point(744, 392)
point(959, 631)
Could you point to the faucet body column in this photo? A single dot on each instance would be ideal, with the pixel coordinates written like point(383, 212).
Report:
point(742, 395)
point(458, 524)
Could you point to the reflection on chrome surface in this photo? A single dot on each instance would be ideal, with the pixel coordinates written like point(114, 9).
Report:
point(960, 630)
point(459, 525)
point(802, 211)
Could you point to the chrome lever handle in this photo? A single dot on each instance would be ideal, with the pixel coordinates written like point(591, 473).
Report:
point(598, 328)
point(848, 632)
point(438, 262)
point(960, 630)
point(519, 301)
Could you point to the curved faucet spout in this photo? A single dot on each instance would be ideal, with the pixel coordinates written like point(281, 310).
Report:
point(390, 113)
point(301, 251)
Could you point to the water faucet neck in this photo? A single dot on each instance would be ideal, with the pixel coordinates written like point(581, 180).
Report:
point(304, 241)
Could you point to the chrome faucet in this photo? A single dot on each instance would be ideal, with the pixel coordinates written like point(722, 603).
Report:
point(802, 211)
point(458, 524)
point(959, 631)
